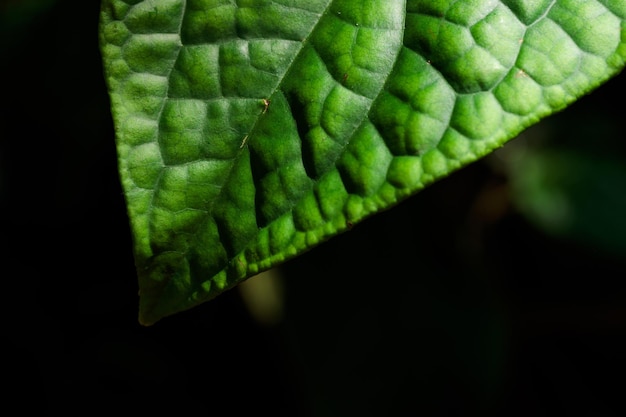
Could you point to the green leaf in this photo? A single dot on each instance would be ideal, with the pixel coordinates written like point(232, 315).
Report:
point(251, 131)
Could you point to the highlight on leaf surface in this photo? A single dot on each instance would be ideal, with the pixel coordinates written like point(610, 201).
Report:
point(249, 132)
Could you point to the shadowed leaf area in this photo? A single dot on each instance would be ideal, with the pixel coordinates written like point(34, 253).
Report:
point(250, 132)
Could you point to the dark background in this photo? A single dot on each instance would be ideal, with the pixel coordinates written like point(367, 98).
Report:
point(454, 302)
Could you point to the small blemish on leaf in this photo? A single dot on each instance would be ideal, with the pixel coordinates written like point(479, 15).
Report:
point(266, 105)
point(520, 73)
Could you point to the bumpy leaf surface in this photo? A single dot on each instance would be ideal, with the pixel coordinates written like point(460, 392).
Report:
point(251, 130)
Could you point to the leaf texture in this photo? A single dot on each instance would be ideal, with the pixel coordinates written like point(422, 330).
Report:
point(249, 131)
